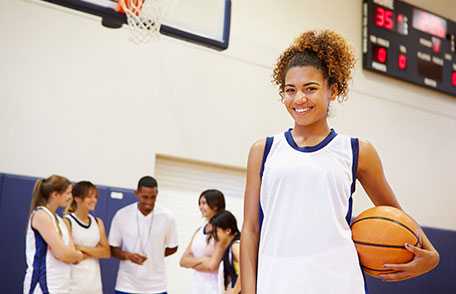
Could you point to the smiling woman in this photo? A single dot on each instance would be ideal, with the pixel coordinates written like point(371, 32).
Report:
point(203, 253)
point(88, 234)
point(303, 180)
point(49, 248)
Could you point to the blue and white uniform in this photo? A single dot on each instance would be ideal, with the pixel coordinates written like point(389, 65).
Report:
point(86, 275)
point(305, 210)
point(45, 274)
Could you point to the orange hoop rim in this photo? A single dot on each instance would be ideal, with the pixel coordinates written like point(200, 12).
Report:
point(132, 6)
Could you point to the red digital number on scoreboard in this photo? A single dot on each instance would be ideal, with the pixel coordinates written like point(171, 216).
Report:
point(402, 61)
point(384, 18)
point(380, 54)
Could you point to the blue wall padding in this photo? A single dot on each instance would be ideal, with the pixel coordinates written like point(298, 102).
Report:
point(14, 208)
point(109, 267)
point(15, 196)
point(2, 176)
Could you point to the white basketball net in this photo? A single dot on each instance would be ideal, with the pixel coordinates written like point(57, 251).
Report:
point(144, 19)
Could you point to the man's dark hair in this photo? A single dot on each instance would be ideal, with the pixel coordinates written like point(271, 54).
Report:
point(147, 181)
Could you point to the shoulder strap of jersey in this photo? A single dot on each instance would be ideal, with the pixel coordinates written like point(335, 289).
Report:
point(267, 149)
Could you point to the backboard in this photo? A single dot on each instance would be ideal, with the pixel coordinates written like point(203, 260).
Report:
point(204, 22)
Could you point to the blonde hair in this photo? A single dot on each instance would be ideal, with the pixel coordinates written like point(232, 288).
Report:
point(45, 187)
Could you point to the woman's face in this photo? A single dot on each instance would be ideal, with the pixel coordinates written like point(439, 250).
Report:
point(223, 235)
point(306, 95)
point(206, 211)
point(89, 202)
point(63, 199)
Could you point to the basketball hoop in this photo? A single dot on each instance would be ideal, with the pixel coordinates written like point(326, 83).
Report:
point(143, 18)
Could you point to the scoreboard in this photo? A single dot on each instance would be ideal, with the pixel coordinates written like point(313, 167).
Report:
point(409, 43)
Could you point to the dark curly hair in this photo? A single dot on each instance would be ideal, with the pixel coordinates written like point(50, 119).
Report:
point(324, 50)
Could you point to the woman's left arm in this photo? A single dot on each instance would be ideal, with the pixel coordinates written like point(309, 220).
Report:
point(102, 249)
point(370, 174)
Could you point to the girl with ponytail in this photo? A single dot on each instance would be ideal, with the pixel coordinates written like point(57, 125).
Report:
point(88, 233)
point(225, 231)
point(49, 249)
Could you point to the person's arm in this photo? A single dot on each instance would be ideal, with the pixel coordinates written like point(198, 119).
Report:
point(251, 228)
point(125, 255)
point(115, 242)
point(171, 238)
point(70, 231)
point(42, 222)
point(371, 175)
point(71, 241)
point(204, 264)
point(188, 260)
point(102, 249)
point(211, 264)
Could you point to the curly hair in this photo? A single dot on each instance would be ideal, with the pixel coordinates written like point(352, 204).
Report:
point(324, 50)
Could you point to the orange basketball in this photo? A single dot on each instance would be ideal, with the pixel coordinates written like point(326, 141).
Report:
point(380, 234)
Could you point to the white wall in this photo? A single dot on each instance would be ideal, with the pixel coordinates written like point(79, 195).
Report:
point(81, 100)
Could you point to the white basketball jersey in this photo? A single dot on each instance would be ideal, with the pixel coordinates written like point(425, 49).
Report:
point(203, 282)
point(45, 274)
point(86, 275)
point(305, 243)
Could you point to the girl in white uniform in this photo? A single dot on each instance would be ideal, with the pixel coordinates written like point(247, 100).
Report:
point(225, 231)
point(89, 236)
point(296, 234)
point(203, 246)
point(49, 250)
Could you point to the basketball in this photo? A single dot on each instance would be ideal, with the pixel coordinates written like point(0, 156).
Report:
point(380, 234)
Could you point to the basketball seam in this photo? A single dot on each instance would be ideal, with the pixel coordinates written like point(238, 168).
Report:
point(377, 270)
point(382, 245)
point(391, 220)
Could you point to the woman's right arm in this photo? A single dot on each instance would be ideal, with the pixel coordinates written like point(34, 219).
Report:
point(211, 264)
point(102, 250)
point(188, 260)
point(203, 264)
point(251, 228)
point(42, 222)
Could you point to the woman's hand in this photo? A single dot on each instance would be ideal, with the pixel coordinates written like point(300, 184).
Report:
point(81, 257)
point(424, 261)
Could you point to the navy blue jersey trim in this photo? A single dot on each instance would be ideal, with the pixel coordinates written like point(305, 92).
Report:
point(39, 264)
point(355, 154)
point(267, 149)
point(80, 223)
point(355, 151)
point(289, 137)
